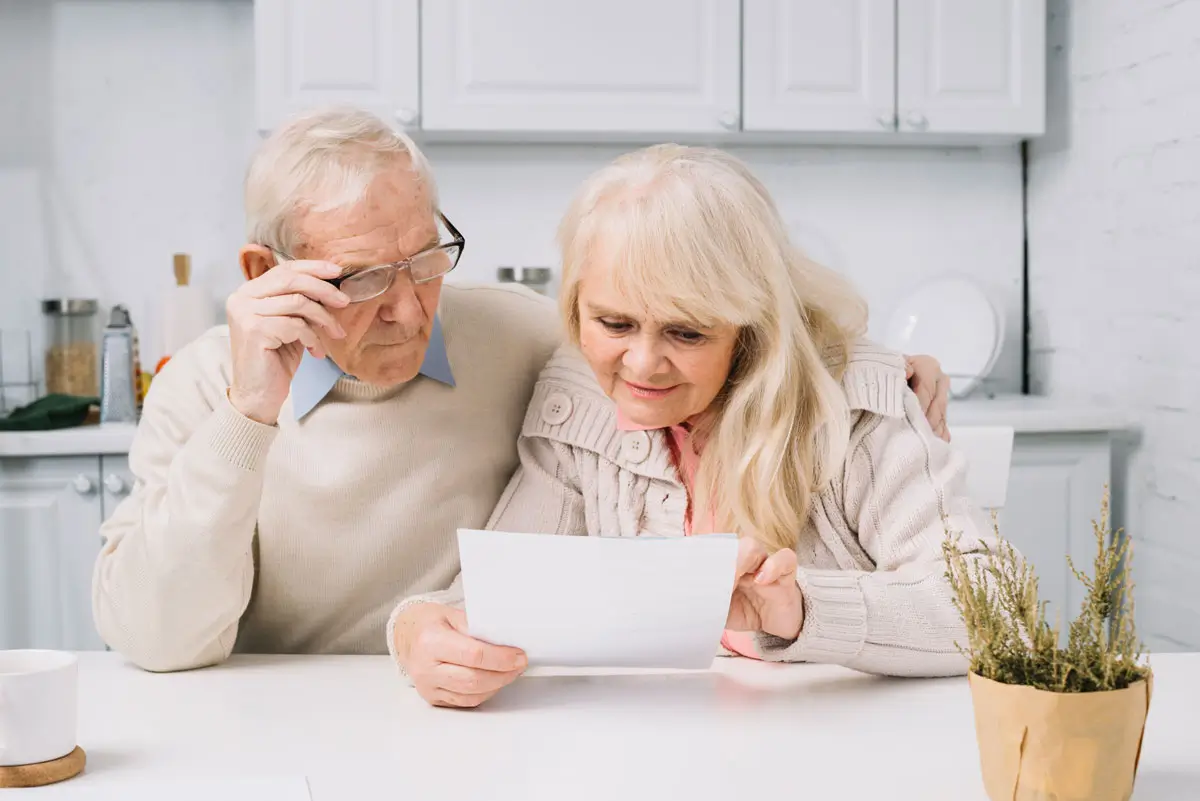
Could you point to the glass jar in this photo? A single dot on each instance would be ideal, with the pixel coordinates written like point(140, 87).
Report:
point(537, 279)
point(72, 346)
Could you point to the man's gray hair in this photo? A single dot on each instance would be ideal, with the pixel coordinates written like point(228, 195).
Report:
point(322, 160)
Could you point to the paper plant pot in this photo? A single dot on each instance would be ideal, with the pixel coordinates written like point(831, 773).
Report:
point(1036, 745)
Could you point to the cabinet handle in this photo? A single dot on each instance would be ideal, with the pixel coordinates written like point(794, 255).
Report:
point(82, 484)
point(406, 116)
point(115, 484)
point(729, 120)
point(887, 121)
point(916, 120)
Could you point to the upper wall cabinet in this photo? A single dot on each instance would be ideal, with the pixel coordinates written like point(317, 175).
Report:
point(817, 65)
point(549, 65)
point(975, 67)
point(933, 67)
point(867, 71)
point(363, 53)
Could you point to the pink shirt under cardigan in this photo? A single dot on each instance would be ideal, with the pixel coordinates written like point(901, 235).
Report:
point(687, 461)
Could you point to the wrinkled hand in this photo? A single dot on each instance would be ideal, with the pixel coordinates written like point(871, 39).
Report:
point(932, 387)
point(766, 596)
point(447, 666)
point(272, 320)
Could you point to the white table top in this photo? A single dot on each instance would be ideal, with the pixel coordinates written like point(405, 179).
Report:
point(792, 732)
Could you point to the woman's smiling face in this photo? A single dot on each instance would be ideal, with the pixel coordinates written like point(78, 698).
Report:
point(660, 373)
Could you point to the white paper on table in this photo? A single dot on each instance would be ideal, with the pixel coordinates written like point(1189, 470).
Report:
point(614, 602)
point(158, 788)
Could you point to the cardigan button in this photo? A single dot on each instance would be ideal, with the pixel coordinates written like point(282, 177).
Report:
point(635, 447)
point(556, 409)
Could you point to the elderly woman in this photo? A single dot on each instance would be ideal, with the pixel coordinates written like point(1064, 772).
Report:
point(720, 382)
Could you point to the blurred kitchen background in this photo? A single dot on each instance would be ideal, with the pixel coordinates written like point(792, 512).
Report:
point(1013, 184)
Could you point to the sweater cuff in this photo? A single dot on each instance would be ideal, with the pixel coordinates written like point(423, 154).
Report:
point(390, 629)
point(451, 596)
point(239, 440)
point(835, 621)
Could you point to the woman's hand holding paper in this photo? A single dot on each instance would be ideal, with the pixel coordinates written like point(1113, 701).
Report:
point(766, 596)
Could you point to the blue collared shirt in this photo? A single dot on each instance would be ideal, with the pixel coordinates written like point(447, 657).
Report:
point(315, 377)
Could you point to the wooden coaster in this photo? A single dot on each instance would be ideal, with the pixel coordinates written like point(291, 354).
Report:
point(43, 773)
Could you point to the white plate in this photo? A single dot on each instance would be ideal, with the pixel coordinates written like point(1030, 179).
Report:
point(953, 320)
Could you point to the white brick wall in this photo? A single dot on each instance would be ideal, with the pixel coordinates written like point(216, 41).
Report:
point(1114, 269)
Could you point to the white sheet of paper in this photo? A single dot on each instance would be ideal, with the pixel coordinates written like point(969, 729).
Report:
point(576, 601)
point(183, 788)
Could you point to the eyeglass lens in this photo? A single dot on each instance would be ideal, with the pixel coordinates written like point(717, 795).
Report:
point(426, 267)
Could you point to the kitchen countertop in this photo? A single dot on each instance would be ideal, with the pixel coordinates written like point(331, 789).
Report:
point(352, 728)
point(1030, 414)
point(83, 440)
point(1026, 414)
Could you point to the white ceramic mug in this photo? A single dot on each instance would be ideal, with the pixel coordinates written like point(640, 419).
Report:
point(38, 706)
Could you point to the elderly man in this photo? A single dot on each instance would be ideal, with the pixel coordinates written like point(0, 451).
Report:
point(305, 467)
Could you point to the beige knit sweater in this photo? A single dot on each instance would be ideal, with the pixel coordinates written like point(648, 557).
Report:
point(872, 571)
point(301, 537)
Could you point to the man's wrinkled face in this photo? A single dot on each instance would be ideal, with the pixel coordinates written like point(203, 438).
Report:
point(386, 336)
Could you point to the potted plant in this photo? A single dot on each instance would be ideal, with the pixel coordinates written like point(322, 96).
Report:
point(1053, 722)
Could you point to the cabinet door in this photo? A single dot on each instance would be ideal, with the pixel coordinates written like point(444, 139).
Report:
point(50, 513)
point(550, 66)
point(362, 53)
point(116, 482)
point(816, 65)
point(972, 67)
point(1054, 493)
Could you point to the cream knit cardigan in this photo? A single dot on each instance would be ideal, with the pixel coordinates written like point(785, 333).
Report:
point(872, 572)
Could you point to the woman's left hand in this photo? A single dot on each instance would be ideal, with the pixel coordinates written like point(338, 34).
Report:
point(766, 596)
point(932, 386)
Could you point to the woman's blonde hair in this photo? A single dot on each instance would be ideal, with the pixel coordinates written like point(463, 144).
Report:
point(689, 233)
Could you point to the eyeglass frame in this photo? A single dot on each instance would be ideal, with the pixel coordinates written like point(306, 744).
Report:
point(457, 240)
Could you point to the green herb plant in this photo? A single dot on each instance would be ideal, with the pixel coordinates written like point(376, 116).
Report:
point(1008, 638)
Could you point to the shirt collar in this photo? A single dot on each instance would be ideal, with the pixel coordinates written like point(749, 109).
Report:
point(315, 377)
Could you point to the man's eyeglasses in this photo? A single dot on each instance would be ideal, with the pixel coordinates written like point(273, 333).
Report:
point(431, 263)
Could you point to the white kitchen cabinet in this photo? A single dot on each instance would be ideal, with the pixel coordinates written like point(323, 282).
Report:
point(116, 481)
point(975, 67)
point(933, 68)
point(815, 65)
point(910, 72)
point(50, 514)
point(1055, 489)
point(550, 66)
point(364, 53)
